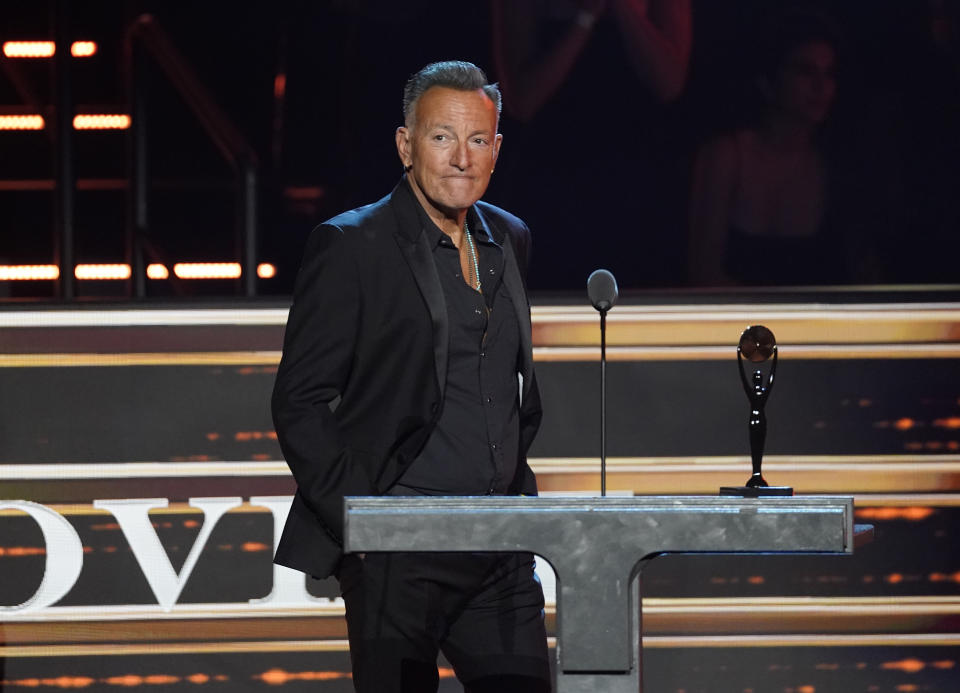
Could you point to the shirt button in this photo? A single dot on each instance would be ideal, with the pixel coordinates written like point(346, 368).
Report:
point(477, 311)
point(489, 400)
point(483, 354)
point(493, 446)
point(492, 271)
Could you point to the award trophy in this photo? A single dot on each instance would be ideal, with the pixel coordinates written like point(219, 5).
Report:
point(757, 344)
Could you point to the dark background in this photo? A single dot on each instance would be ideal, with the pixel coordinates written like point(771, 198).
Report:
point(601, 175)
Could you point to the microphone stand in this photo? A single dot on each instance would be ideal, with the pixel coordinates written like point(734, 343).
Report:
point(602, 290)
point(603, 403)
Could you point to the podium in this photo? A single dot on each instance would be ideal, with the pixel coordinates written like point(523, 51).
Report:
point(595, 546)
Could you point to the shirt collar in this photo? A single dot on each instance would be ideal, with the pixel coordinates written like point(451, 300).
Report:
point(477, 228)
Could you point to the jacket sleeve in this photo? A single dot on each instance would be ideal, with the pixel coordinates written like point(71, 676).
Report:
point(531, 413)
point(525, 482)
point(314, 371)
point(520, 238)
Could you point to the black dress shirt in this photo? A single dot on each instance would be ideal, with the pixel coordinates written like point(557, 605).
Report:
point(474, 448)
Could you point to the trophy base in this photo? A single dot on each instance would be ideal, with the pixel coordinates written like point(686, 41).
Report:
point(756, 491)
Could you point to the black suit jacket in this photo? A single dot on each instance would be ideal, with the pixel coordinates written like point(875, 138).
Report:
point(363, 372)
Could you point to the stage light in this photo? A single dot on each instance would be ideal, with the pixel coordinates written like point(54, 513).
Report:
point(266, 271)
point(101, 121)
point(28, 272)
point(912, 514)
point(909, 665)
point(29, 121)
point(207, 270)
point(102, 271)
point(47, 49)
point(157, 271)
point(29, 49)
point(83, 49)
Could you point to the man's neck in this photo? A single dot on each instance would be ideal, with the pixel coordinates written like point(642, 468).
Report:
point(449, 221)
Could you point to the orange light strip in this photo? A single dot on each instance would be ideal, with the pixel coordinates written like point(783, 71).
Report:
point(102, 271)
point(28, 272)
point(29, 49)
point(47, 49)
point(157, 271)
point(27, 121)
point(120, 271)
point(101, 121)
point(207, 270)
point(951, 422)
point(83, 49)
point(279, 677)
point(911, 514)
point(84, 121)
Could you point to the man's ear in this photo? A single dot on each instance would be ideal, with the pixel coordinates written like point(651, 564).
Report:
point(403, 146)
point(496, 146)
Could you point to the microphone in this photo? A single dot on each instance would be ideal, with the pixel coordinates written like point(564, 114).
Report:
point(602, 290)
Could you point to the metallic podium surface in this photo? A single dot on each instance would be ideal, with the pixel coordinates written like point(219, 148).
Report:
point(595, 546)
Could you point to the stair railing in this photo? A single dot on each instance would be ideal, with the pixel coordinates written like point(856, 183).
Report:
point(144, 37)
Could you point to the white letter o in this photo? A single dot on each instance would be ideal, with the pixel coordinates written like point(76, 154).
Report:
point(64, 556)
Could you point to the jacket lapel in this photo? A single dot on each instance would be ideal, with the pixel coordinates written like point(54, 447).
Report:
point(416, 250)
point(514, 284)
point(415, 247)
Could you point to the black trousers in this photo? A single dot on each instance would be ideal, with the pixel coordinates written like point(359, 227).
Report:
point(483, 611)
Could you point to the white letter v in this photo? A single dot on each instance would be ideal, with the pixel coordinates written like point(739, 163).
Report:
point(132, 514)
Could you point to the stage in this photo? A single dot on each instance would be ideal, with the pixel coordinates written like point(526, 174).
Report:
point(170, 402)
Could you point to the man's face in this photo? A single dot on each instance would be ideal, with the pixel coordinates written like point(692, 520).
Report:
point(452, 146)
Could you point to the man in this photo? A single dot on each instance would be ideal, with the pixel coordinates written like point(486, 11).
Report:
point(408, 331)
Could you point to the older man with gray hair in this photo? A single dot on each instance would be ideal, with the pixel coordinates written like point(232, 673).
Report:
point(407, 370)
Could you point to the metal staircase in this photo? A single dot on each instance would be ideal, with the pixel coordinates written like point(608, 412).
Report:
point(85, 212)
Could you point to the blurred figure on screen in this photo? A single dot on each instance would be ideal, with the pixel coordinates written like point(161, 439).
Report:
point(760, 199)
point(590, 88)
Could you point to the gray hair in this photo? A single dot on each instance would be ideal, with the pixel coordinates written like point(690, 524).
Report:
point(453, 74)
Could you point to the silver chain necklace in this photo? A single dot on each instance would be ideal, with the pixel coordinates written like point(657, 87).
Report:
point(473, 255)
